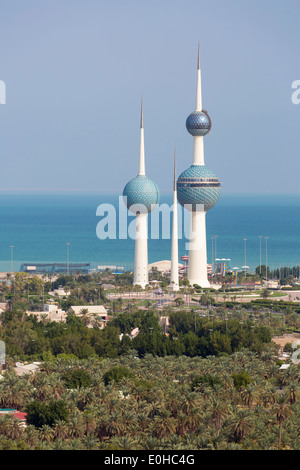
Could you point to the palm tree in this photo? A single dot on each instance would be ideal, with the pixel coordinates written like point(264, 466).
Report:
point(148, 442)
point(75, 425)
point(282, 411)
point(75, 444)
point(249, 394)
point(46, 433)
point(163, 424)
point(293, 392)
point(59, 444)
point(240, 424)
point(13, 430)
point(182, 426)
point(57, 386)
point(270, 395)
point(31, 435)
point(218, 410)
point(43, 389)
point(193, 419)
point(90, 423)
point(14, 391)
point(124, 443)
point(85, 316)
point(60, 430)
point(90, 442)
point(115, 426)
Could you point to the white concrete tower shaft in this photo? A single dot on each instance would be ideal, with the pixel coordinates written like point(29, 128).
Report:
point(140, 275)
point(197, 267)
point(174, 278)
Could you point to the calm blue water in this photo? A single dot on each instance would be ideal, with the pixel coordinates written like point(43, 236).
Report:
point(40, 225)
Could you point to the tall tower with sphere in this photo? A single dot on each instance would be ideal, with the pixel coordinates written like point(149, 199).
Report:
point(198, 190)
point(141, 196)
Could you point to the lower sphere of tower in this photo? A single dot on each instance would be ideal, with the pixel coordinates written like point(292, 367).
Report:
point(198, 186)
point(141, 195)
point(198, 123)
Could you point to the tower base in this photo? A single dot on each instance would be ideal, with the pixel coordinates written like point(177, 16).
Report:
point(202, 283)
point(140, 274)
point(174, 287)
point(197, 269)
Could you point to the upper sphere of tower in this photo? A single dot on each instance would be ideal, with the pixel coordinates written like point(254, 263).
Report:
point(198, 185)
point(198, 123)
point(142, 194)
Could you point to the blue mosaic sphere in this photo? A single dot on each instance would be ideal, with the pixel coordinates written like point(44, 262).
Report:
point(198, 123)
point(141, 195)
point(198, 185)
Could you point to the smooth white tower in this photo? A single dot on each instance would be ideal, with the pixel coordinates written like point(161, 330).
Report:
point(142, 196)
point(140, 274)
point(174, 278)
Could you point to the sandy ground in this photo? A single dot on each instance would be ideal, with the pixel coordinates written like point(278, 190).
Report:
point(284, 339)
point(292, 296)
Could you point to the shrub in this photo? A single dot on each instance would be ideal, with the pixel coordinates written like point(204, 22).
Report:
point(116, 374)
point(207, 379)
point(40, 413)
point(77, 379)
point(241, 380)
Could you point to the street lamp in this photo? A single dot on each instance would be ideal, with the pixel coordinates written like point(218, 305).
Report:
point(266, 238)
point(68, 245)
point(260, 237)
point(216, 236)
point(212, 253)
point(245, 240)
point(11, 258)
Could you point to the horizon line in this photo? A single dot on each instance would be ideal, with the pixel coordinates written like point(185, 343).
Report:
point(54, 191)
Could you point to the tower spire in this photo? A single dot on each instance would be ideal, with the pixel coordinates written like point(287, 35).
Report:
point(174, 187)
point(142, 116)
point(142, 145)
point(199, 92)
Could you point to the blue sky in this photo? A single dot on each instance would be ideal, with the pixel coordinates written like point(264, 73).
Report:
point(75, 72)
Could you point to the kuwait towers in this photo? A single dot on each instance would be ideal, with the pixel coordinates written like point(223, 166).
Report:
point(198, 190)
point(174, 277)
point(141, 196)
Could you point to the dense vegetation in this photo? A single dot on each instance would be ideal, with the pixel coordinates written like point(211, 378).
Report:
point(189, 335)
point(242, 401)
point(210, 380)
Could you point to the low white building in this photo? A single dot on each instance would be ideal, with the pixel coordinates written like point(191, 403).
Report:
point(22, 369)
point(50, 308)
point(91, 309)
point(272, 284)
point(60, 292)
point(51, 311)
point(94, 313)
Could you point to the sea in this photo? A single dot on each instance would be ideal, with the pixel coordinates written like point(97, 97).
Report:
point(242, 230)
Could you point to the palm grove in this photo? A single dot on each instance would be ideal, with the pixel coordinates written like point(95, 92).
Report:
point(212, 382)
